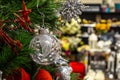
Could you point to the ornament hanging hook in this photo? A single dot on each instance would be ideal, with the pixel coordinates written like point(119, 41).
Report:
point(43, 15)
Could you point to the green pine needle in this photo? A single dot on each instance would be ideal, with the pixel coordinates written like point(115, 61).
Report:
point(9, 61)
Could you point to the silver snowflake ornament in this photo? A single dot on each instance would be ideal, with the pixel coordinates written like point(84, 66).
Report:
point(71, 9)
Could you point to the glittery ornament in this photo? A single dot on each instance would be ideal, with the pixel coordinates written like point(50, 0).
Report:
point(65, 72)
point(47, 51)
point(47, 48)
point(71, 9)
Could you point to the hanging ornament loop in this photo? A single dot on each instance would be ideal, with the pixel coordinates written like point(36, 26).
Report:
point(43, 15)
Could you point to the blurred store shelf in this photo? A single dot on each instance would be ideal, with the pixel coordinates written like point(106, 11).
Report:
point(96, 1)
point(117, 1)
point(91, 2)
point(93, 25)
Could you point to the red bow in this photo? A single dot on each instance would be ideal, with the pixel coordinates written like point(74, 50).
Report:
point(25, 12)
point(24, 20)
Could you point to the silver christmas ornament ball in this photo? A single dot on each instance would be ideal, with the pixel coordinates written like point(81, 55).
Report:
point(47, 48)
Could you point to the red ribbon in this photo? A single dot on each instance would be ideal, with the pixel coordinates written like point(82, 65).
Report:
point(8, 40)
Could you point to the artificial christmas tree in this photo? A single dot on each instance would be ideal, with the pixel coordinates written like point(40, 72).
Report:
point(17, 25)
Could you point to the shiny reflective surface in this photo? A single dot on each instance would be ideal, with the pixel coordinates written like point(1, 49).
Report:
point(47, 49)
